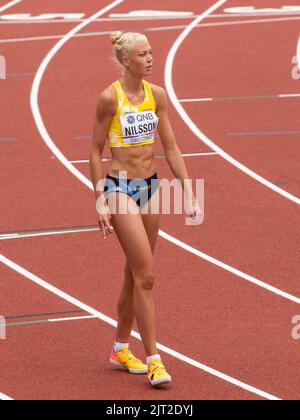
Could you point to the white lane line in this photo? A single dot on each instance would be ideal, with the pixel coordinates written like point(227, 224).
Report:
point(213, 16)
point(185, 247)
point(233, 15)
point(9, 5)
point(252, 9)
point(228, 23)
point(178, 243)
point(9, 236)
point(6, 20)
point(36, 85)
point(60, 156)
point(203, 154)
point(49, 37)
point(74, 318)
point(47, 138)
point(4, 236)
point(152, 14)
point(193, 127)
point(289, 95)
point(230, 98)
point(30, 276)
point(157, 29)
point(196, 100)
point(4, 397)
point(232, 270)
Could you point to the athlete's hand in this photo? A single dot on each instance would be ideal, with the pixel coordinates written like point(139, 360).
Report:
point(194, 211)
point(105, 220)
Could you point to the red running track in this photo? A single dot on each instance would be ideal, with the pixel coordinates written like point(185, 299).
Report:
point(204, 312)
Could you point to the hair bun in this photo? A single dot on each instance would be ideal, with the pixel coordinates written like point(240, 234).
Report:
point(115, 37)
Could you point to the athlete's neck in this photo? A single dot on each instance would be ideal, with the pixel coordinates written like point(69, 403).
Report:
point(131, 83)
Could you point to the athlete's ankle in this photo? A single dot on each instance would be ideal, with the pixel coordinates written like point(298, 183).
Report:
point(118, 345)
point(152, 357)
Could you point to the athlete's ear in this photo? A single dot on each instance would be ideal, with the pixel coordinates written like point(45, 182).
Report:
point(125, 61)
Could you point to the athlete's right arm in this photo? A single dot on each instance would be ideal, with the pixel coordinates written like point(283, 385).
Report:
point(104, 114)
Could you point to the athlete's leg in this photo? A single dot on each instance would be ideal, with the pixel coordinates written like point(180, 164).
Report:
point(150, 216)
point(133, 238)
point(126, 314)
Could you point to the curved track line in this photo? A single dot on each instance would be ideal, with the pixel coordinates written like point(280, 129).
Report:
point(4, 397)
point(30, 276)
point(9, 5)
point(189, 122)
point(50, 143)
point(232, 270)
point(35, 92)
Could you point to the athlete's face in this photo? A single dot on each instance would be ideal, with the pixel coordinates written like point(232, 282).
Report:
point(140, 61)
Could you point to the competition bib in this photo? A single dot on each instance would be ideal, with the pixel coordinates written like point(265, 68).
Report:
point(138, 127)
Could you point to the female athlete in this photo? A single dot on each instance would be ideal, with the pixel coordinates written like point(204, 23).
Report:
point(128, 113)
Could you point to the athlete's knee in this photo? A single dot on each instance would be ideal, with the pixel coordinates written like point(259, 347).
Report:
point(145, 281)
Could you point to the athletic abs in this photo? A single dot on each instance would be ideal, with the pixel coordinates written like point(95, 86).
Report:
point(138, 162)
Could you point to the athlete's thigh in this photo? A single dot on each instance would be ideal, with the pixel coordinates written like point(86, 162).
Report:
point(151, 217)
point(133, 237)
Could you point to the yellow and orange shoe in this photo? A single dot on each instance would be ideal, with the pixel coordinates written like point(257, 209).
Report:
point(157, 373)
point(125, 360)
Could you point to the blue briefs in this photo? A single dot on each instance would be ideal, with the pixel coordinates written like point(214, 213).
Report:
point(141, 190)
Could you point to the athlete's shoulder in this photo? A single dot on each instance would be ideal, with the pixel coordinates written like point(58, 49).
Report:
point(108, 95)
point(158, 90)
point(159, 94)
point(108, 99)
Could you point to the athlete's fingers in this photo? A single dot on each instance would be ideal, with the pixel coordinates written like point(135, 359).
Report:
point(192, 211)
point(196, 212)
point(102, 228)
point(108, 226)
point(108, 219)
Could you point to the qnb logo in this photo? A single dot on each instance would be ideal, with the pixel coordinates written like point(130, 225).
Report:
point(296, 329)
point(131, 119)
point(2, 328)
point(2, 68)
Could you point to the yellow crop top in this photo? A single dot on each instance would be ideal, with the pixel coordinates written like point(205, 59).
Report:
point(133, 125)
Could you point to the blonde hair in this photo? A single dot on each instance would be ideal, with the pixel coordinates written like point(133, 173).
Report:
point(123, 43)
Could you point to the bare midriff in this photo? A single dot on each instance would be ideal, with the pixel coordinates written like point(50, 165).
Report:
point(137, 161)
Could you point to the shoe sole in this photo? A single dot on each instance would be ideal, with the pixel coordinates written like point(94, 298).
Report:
point(161, 381)
point(122, 367)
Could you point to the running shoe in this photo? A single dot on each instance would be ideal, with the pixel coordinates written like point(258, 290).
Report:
point(157, 373)
point(125, 360)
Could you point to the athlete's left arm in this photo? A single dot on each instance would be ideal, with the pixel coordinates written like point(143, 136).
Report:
point(167, 137)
